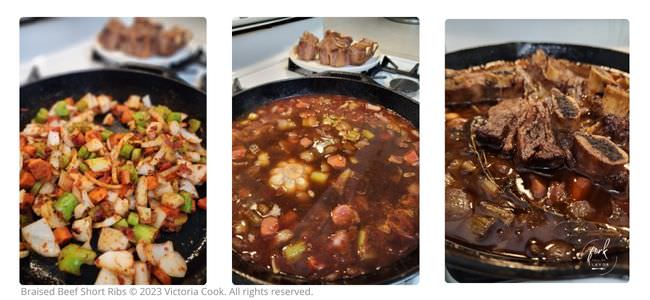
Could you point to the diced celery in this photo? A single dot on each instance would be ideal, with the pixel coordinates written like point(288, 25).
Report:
point(367, 134)
point(82, 105)
point(194, 125)
point(174, 116)
point(187, 204)
point(106, 134)
point(83, 152)
point(41, 116)
point(135, 154)
point(36, 187)
point(144, 232)
point(122, 223)
point(319, 177)
point(61, 109)
point(125, 151)
point(83, 167)
point(65, 205)
point(294, 251)
point(73, 256)
point(133, 219)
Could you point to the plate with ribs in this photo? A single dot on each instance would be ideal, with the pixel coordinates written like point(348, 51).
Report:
point(144, 41)
point(334, 52)
point(537, 162)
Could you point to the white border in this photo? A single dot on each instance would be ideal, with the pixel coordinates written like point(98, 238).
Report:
point(432, 15)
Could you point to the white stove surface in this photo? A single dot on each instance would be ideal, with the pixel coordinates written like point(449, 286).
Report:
point(79, 57)
point(276, 68)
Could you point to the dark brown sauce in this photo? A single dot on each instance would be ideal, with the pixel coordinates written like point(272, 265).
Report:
point(382, 194)
point(544, 222)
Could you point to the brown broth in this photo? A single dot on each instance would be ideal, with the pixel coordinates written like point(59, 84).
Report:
point(543, 222)
point(384, 194)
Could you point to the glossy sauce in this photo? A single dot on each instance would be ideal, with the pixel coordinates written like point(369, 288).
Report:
point(363, 216)
point(535, 222)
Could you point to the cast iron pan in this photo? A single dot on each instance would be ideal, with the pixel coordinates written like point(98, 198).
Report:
point(246, 101)
point(191, 240)
point(476, 265)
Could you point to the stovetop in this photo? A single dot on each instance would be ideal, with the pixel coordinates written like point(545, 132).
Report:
point(398, 74)
point(81, 56)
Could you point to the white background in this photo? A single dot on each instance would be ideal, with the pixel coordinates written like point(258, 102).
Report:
point(432, 15)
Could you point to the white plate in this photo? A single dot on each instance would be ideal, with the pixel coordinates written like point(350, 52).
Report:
point(120, 57)
point(315, 66)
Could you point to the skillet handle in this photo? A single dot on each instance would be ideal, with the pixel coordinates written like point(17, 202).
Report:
point(165, 72)
point(348, 75)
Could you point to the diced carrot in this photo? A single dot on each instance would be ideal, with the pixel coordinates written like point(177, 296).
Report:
point(288, 219)
point(124, 176)
point(238, 152)
point(337, 161)
point(79, 139)
point(301, 104)
point(171, 176)
point(149, 151)
point(126, 116)
point(411, 157)
point(161, 275)
point(170, 212)
point(537, 187)
point(26, 180)
point(29, 150)
point(62, 235)
point(115, 138)
point(92, 134)
point(27, 200)
point(305, 142)
point(119, 109)
point(580, 188)
point(123, 191)
point(98, 194)
point(40, 169)
point(23, 141)
point(152, 182)
point(203, 203)
point(314, 263)
point(269, 226)
point(51, 119)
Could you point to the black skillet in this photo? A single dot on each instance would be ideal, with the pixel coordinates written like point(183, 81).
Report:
point(243, 102)
point(191, 240)
point(475, 265)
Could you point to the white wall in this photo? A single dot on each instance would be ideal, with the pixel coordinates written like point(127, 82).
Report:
point(462, 34)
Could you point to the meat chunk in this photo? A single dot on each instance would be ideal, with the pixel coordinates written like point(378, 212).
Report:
point(536, 142)
point(402, 222)
point(172, 40)
point(598, 156)
point(499, 130)
point(307, 46)
point(498, 81)
point(617, 128)
point(111, 36)
point(333, 49)
point(524, 125)
point(361, 51)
